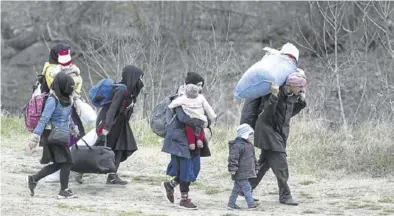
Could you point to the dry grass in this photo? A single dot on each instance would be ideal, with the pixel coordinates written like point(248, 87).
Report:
point(312, 147)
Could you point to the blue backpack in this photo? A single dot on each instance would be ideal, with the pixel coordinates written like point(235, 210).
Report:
point(101, 93)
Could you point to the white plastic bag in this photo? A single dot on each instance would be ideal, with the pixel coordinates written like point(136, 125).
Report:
point(90, 138)
point(85, 112)
point(54, 177)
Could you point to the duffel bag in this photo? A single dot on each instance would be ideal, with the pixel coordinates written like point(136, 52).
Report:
point(92, 159)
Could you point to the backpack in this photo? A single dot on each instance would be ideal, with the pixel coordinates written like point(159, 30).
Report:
point(33, 110)
point(158, 120)
point(101, 93)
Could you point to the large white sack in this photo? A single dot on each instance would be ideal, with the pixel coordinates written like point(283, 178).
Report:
point(90, 138)
point(87, 114)
point(256, 81)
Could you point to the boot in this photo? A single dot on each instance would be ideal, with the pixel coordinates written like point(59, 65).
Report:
point(114, 179)
point(78, 178)
point(169, 191)
point(186, 203)
point(289, 201)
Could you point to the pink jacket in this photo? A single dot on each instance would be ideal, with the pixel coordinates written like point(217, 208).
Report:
point(194, 107)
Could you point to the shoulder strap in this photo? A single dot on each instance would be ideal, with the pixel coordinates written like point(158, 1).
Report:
point(56, 100)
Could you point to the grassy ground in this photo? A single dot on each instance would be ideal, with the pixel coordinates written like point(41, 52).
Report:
point(331, 173)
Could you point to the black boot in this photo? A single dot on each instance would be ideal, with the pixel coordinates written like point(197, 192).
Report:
point(114, 179)
point(186, 203)
point(169, 191)
point(78, 178)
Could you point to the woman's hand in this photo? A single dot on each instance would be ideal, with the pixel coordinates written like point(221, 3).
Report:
point(34, 139)
point(75, 131)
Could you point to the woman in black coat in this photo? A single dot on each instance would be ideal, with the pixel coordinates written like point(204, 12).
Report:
point(113, 120)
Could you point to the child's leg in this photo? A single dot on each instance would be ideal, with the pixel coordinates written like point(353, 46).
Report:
point(234, 195)
point(200, 138)
point(247, 190)
point(191, 139)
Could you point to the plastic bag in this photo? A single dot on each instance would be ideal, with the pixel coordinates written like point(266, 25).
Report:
point(87, 114)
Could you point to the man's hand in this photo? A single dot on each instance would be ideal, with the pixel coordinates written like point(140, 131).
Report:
point(34, 139)
point(274, 89)
point(105, 132)
point(302, 96)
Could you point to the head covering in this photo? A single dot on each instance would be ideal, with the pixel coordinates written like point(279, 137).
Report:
point(192, 91)
point(194, 78)
point(64, 58)
point(244, 130)
point(54, 53)
point(63, 86)
point(291, 50)
point(297, 79)
point(131, 76)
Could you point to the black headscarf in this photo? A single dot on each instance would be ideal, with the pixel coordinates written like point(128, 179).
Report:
point(131, 76)
point(63, 85)
point(194, 78)
point(53, 55)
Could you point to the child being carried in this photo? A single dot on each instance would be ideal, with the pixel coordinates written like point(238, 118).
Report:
point(195, 105)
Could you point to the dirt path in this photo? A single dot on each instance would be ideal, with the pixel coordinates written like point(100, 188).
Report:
point(143, 195)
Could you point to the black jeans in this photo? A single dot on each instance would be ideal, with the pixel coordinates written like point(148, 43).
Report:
point(278, 163)
point(51, 168)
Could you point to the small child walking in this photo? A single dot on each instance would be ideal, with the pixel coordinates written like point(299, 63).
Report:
point(196, 106)
point(241, 165)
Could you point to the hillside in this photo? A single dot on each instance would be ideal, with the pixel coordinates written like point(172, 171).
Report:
point(346, 49)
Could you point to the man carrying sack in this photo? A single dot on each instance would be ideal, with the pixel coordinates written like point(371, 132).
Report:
point(270, 117)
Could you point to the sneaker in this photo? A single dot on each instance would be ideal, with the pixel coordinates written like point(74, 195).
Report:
point(200, 144)
point(169, 191)
point(233, 207)
point(31, 184)
point(66, 194)
point(114, 179)
point(187, 204)
point(254, 205)
point(78, 178)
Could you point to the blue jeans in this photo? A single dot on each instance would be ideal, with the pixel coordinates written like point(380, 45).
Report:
point(244, 186)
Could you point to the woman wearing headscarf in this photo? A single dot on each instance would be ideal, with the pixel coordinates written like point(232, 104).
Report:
point(184, 165)
point(60, 60)
point(57, 111)
point(113, 120)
